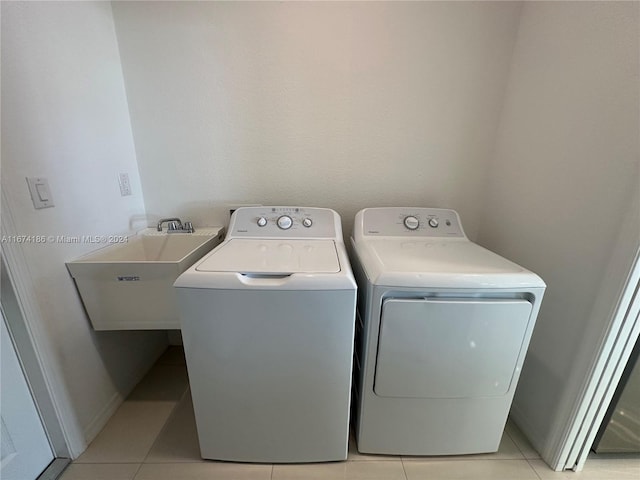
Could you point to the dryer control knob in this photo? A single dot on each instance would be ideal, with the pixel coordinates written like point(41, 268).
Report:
point(262, 222)
point(307, 222)
point(433, 222)
point(411, 222)
point(285, 222)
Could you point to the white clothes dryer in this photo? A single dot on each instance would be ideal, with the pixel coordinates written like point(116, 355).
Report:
point(268, 322)
point(442, 331)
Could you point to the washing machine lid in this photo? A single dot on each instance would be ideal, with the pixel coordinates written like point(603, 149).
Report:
point(448, 263)
point(272, 257)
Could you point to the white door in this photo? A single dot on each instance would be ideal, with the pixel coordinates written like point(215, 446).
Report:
point(25, 448)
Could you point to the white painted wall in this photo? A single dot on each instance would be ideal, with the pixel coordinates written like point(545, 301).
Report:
point(566, 163)
point(344, 105)
point(65, 117)
point(333, 104)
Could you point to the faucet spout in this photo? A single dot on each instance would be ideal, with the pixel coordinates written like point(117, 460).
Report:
point(176, 220)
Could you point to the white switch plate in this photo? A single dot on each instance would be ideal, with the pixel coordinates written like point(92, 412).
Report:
point(40, 192)
point(125, 185)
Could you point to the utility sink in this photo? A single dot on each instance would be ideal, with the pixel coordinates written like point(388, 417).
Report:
point(129, 286)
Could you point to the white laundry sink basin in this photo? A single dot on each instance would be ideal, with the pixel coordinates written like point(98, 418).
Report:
point(129, 286)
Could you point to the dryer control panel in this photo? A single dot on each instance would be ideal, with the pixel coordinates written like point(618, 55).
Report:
point(409, 222)
point(285, 222)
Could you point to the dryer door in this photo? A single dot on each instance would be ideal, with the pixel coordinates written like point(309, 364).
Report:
point(449, 348)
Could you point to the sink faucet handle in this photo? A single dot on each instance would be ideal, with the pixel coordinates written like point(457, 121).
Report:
point(188, 227)
point(175, 226)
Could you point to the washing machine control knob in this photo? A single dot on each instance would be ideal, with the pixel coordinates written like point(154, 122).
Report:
point(307, 222)
point(433, 222)
point(262, 222)
point(285, 222)
point(411, 222)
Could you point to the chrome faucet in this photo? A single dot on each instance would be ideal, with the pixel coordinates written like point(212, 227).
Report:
point(175, 226)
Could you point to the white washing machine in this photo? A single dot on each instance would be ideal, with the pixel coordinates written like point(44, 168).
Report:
point(268, 322)
point(442, 331)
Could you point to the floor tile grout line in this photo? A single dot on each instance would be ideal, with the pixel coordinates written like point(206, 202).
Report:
point(516, 444)
point(506, 432)
point(164, 426)
point(137, 471)
point(534, 470)
point(454, 459)
point(457, 458)
point(404, 470)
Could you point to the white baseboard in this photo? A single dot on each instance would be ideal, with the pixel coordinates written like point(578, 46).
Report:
point(100, 420)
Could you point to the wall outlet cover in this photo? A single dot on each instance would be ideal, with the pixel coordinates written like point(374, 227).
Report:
point(125, 185)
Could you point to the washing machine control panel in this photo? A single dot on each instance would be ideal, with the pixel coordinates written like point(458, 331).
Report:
point(411, 222)
point(285, 222)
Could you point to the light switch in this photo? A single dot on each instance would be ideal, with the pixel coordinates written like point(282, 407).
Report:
point(40, 193)
point(43, 192)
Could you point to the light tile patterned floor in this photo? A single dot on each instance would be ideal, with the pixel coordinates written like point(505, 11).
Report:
point(152, 436)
